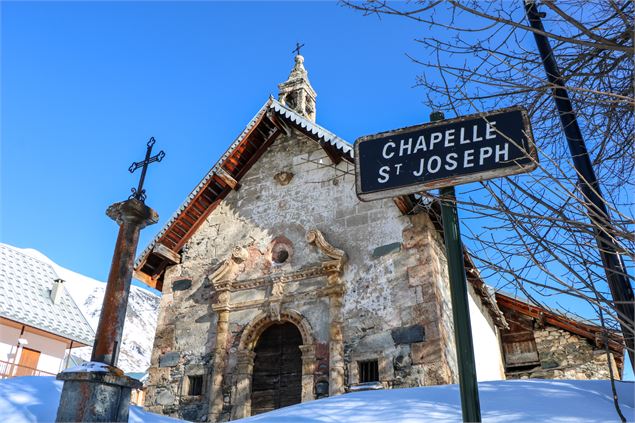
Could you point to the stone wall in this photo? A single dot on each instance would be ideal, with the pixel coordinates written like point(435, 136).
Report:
point(564, 355)
point(394, 304)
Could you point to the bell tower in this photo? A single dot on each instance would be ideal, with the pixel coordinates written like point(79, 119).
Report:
point(296, 92)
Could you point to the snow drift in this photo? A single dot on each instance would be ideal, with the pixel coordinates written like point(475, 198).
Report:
point(35, 399)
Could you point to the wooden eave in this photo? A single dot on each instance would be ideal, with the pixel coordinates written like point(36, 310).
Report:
point(210, 193)
point(544, 316)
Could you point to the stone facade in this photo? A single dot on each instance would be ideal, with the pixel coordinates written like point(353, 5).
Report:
point(360, 280)
point(564, 355)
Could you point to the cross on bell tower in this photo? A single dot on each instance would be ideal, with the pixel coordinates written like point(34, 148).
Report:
point(296, 92)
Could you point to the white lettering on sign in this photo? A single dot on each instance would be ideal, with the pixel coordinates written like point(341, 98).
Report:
point(485, 153)
point(383, 173)
point(468, 156)
point(451, 159)
point(421, 144)
point(405, 146)
point(490, 131)
point(384, 153)
point(439, 139)
point(503, 153)
point(449, 138)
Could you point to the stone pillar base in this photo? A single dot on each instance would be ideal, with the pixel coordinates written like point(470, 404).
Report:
point(95, 396)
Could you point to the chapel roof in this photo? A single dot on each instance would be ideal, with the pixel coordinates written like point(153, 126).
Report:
point(270, 121)
point(25, 297)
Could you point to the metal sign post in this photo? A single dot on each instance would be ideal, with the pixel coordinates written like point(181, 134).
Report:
point(468, 385)
point(442, 154)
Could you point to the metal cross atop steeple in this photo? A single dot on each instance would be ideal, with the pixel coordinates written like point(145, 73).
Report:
point(297, 48)
point(139, 193)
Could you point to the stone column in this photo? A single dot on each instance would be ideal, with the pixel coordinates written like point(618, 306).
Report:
point(336, 344)
point(100, 391)
point(244, 371)
point(221, 280)
point(220, 353)
point(131, 215)
point(308, 370)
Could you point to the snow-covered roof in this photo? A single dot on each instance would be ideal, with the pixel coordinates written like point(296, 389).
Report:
point(25, 297)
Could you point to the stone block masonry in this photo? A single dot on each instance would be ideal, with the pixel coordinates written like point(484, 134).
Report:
point(564, 355)
point(373, 289)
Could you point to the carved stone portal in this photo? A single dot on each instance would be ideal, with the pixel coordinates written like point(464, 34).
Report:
point(275, 309)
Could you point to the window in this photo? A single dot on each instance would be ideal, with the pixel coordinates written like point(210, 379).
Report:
point(368, 371)
point(195, 385)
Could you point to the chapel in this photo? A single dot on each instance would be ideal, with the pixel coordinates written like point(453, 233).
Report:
point(280, 286)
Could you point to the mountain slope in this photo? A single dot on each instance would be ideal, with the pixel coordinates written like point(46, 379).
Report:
point(141, 315)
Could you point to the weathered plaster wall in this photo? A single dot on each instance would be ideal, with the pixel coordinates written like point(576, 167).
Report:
point(564, 355)
point(396, 307)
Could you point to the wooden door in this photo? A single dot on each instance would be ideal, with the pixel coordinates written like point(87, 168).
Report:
point(277, 376)
point(28, 362)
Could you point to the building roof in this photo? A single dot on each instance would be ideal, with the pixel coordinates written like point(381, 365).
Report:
point(25, 287)
point(270, 121)
point(592, 332)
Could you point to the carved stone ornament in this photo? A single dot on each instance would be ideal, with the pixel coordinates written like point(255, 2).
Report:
point(274, 310)
point(221, 276)
point(314, 236)
point(333, 268)
point(283, 178)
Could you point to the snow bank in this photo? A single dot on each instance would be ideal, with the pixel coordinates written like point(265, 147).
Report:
point(501, 401)
point(35, 399)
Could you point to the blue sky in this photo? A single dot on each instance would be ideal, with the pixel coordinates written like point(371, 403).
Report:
point(85, 84)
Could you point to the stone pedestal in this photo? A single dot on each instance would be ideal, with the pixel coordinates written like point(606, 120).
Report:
point(95, 396)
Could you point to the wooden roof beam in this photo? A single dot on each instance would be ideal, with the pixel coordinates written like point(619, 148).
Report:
point(166, 253)
point(228, 179)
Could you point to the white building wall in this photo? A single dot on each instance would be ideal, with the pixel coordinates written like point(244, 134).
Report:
point(52, 351)
point(487, 348)
point(8, 343)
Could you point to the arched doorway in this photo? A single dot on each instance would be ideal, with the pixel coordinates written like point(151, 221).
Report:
point(277, 372)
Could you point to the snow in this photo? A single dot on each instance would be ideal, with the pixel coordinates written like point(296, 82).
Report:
point(89, 367)
point(141, 316)
point(501, 401)
point(35, 399)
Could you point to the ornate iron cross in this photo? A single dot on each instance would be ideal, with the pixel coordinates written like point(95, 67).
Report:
point(139, 193)
point(297, 48)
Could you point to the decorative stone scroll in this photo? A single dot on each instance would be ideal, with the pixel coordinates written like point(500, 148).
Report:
point(336, 293)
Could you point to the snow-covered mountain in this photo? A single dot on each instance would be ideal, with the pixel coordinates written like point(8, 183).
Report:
point(141, 316)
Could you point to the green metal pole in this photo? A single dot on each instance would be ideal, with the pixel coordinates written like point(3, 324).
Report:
point(468, 385)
